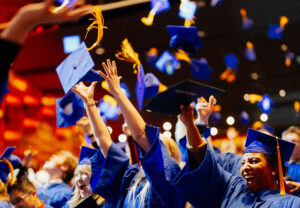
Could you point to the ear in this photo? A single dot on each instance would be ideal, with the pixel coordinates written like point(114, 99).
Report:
point(64, 168)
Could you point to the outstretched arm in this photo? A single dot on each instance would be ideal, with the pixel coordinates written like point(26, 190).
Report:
point(35, 14)
point(98, 126)
point(133, 119)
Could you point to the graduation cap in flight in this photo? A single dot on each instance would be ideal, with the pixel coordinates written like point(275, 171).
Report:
point(69, 110)
point(258, 142)
point(162, 5)
point(275, 31)
point(8, 162)
point(185, 38)
point(200, 69)
point(140, 87)
point(167, 63)
point(183, 93)
point(187, 10)
point(85, 155)
point(77, 67)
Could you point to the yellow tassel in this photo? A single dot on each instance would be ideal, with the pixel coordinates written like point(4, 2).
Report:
point(281, 180)
point(181, 55)
point(129, 55)
point(98, 23)
point(11, 171)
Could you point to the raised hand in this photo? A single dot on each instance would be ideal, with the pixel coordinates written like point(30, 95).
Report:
point(186, 115)
point(204, 109)
point(111, 76)
point(85, 93)
point(85, 124)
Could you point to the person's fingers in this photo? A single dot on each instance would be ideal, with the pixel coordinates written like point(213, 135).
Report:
point(102, 74)
point(109, 66)
point(105, 69)
point(211, 100)
point(48, 3)
point(79, 12)
point(93, 85)
point(114, 67)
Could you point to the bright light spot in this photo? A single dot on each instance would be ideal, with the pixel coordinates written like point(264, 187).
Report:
point(213, 131)
point(100, 51)
point(282, 93)
point(246, 97)
point(263, 117)
point(109, 129)
point(230, 120)
point(254, 76)
point(167, 134)
point(122, 138)
point(266, 104)
point(167, 126)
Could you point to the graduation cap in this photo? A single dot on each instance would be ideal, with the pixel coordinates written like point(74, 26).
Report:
point(250, 52)
point(167, 63)
point(108, 108)
point(187, 10)
point(231, 61)
point(275, 31)
point(185, 38)
point(85, 155)
point(69, 109)
point(140, 87)
point(266, 104)
point(8, 162)
point(162, 5)
point(200, 69)
point(152, 85)
point(258, 142)
point(77, 67)
point(183, 93)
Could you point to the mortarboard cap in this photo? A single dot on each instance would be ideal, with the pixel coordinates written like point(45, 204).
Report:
point(85, 154)
point(185, 38)
point(108, 108)
point(266, 104)
point(69, 109)
point(14, 160)
point(163, 5)
point(200, 69)
point(187, 10)
point(125, 89)
point(183, 93)
point(77, 67)
point(275, 32)
point(263, 143)
point(231, 61)
point(167, 63)
point(152, 85)
point(140, 87)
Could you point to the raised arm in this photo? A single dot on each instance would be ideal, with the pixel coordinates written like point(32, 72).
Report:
point(133, 119)
point(98, 126)
point(35, 14)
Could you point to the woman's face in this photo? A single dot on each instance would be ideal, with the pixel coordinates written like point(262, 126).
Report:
point(257, 173)
point(82, 180)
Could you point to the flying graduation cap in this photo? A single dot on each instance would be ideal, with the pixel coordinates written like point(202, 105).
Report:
point(185, 38)
point(187, 10)
point(77, 67)
point(183, 93)
point(167, 63)
point(69, 109)
point(200, 69)
point(85, 155)
point(275, 31)
point(8, 162)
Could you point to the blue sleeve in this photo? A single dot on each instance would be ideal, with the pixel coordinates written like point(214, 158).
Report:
point(60, 198)
point(230, 162)
point(206, 185)
point(160, 168)
point(111, 177)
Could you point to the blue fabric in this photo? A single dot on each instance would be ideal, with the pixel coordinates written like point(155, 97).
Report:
point(294, 171)
point(160, 168)
point(211, 186)
point(5, 204)
point(55, 195)
point(230, 162)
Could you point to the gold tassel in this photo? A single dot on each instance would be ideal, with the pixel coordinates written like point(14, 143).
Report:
point(128, 54)
point(11, 171)
point(98, 23)
point(281, 180)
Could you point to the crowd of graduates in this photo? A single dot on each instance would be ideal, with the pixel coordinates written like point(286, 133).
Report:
point(158, 172)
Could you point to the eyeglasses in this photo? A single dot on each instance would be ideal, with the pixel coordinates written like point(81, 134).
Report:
point(20, 198)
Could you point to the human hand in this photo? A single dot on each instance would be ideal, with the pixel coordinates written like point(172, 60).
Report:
point(45, 13)
point(111, 76)
point(85, 93)
point(28, 155)
point(186, 115)
point(85, 124)
point(204, 109)
point(293, 186)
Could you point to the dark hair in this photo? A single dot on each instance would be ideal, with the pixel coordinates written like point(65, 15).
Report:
point(22, 184)
point(273, 162)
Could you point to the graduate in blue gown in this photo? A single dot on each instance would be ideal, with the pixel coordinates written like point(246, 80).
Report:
point(204, 183)
point(113, 177)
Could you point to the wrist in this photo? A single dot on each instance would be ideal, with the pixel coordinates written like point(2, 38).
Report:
point(89, 103)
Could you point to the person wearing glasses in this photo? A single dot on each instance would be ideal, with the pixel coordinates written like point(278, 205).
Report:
point(23, 194)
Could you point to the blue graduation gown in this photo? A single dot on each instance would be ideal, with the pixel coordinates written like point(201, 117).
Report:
point(154, 162)
point(55, 195)
point(5, 204)
point(294, 171)
point(209, 185)
point(8, 52)
point(112, 176)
